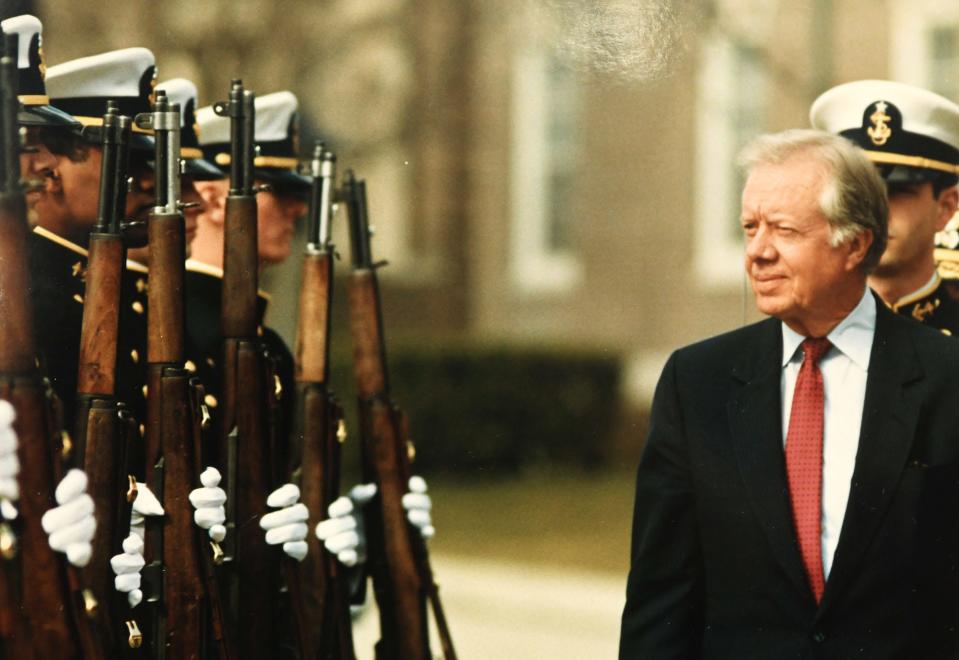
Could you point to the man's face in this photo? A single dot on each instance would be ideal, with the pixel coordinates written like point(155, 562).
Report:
point(73, 193)
point(277, 214)
point(915, 215)
point(36, 165)
point(190, 195)
point(792, 267)
point(141, 198)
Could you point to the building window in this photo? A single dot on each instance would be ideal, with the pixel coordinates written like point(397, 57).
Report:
point(944, 60)
point(925, 45)
point(545, 154)
point(730, 110)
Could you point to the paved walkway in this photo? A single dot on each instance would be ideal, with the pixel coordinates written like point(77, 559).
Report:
point(517, 612)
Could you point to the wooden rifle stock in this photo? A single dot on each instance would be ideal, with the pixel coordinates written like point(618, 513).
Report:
point(318, 585)
point(36, 617)
point(104, 428)
point(253, 577)
point(186, 612)
point(399, 562)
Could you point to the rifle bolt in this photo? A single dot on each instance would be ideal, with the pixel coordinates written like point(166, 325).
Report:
point(205, 419)
point(90, 603)
point(8, 542)
point(135, 640)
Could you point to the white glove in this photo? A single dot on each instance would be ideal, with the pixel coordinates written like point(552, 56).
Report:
point(145, 504)
point(288, 525)
point(343, 532)
point(418, 505)
point(9, 463)
point(208, 502)
point(127, 567)
point(71, 525)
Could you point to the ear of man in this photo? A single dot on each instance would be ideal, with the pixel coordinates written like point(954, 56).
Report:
point(214, 201)
point(946, 203)
point(858, 247)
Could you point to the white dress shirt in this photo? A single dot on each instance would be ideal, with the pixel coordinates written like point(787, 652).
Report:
point(844, 370)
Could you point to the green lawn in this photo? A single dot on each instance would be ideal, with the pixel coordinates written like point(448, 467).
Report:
point(558, 519)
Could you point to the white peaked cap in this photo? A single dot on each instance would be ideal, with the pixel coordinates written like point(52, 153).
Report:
point(179, 90)
point(924, 112)
point(273, 115)
point(895, 123)
point(25, 26)
point(113, 74)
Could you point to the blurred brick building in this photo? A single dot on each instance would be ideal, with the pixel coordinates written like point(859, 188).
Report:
point(520, 196)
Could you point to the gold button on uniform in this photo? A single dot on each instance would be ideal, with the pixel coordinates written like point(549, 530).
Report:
point(190, 366)
point(141, 284)
point(210, 400)
point(78, 298)
point(135, 356)
point(137, 306)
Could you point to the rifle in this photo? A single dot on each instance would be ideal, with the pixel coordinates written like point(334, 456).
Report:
point(104, 426)
point(36, 605)
point(398, 559)
point(185, 605)
point(252, 580)
point(318, 585)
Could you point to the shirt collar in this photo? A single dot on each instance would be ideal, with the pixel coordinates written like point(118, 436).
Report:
point(920, 293)
point(852, 337)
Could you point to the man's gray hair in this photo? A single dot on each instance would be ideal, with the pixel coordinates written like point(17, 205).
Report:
point(854, 195)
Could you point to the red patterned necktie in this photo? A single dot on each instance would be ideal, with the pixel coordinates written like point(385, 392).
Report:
point(804, 460)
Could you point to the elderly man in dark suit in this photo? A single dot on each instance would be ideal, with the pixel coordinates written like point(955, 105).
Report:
point(799, 492)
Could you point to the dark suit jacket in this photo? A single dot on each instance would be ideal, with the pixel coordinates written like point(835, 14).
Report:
point(715, 569)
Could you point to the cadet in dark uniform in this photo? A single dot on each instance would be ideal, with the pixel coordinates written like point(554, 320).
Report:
point(67, 210)
point(912, 135)
point(277, 212)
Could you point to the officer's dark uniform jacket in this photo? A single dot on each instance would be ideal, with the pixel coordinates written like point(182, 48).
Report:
point(204, 290)
point(931, 305)
point(57, 286)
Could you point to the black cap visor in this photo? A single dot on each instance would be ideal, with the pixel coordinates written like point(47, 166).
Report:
point(284, 181)
point(202, 170)
point(902, 174)
point(45, 115)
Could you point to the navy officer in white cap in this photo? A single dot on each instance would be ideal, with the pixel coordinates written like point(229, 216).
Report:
point(36, 115)
point(279, 206)
point(912, 136)
point(66, 211)
point(195, 166)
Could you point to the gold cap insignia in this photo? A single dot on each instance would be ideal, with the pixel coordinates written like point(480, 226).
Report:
point(879, 132)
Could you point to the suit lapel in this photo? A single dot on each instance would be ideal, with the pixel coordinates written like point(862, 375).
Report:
point(755, 420)
point(885, 439)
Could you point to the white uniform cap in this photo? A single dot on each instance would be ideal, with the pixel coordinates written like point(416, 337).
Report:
point(896, 124)
point(180, 91)
point(275, 133)
point(116, 74)
point(25, 26)
point(273, 115)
